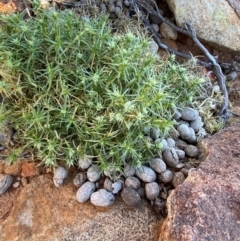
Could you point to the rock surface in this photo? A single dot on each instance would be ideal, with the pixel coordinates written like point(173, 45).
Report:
point(45, 212)
point(215, 21)
point(206, 206)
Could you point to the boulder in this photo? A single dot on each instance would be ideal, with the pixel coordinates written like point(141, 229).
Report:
point(215, 21)
point(206, 206)
point(44, 212)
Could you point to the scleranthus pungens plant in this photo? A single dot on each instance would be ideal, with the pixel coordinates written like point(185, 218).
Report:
point(73, 88)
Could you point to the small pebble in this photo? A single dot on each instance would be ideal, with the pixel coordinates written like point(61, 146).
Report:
point(5, 182)
point(84, 162)
point(130, 196)
point(185, 171)
point(118, 11)
point(117, 186)
point(85, 191)
point(177, 115)
point(24, 182)
point(178, 178)
point(132, 182)
point(129, 170)
point(181, 154)
point(179, 165)
point(111, 8)
point(170, 157)
point(103, 8)
point(126, 3)
point(60, 173)
point(146, 174)
point(180, 144)
point(94, 173)
point(191, 151)
point(108, 184)
point(79, 179)
point(171, 143)
point(102, 198)
point(187, 133)
point(166, 176)
point(155, 27)
point(196, 124)
point(16, 184)
point(159, 206)
point(189, 114)
point(158, 165)
point(152, 190)
point(141, 192)
point(155, 133)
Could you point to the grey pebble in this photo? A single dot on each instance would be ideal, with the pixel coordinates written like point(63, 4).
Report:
point(102, 198)
point(185, 171)
point(155, 27)
point(171, 143)
point(108, 184)
point(196, 124)
point(94, 173)
point(179, 165)
point(146, 174)
point(5, 182)
point(163, 143)
point(180, 153)
point(191, 151)
point(132, 182)
point(170, 157)
point(130, 196)
point(85, 191)
point(119, 4)
point(118, 11)
point(84, 162)
point(178, 178)
point(126, 3)
point(129, 170)
point(79, 179)
point(60, 173)
point(141, 192)
point(158, 165)
point(117, 186)
point(177, 115)
point(180, 144)
point(103, 8)
point(187, 133)
point(152, 190)
point(155, 133)
point(166, 176)
point(16, 184)
point(111, 8)
point(189, 114)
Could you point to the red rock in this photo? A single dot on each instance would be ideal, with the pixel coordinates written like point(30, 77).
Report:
point(14, 169)
point(29, 169)
point(207, 205)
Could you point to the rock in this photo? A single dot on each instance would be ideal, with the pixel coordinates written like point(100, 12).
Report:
point(102, 198)
point(60, 173)
point(163, 143)
point(214, 21)
point(191, 151)
point(196, 124)
point(84, 162)
point(152, 190)
point(155, 133)
point(177, 115)
point(93, 173)
point(16, 184)
point(168, 32)
point(111, 8)
point(210, 194)
point(130, 196)
point(180, 144)
point(117, 186)
point(103, 8)
point(29, 169)
point(159, 206)
point(14, 169)
point(189, 114)
point(158, 165)
point(155, 27)
point(141, 192)
point(42, 212)
point(171, 143)
point(79, 179)
point(129, 170)
point(108, 184)
point(132, 182)
point(166, 176)
point(146, 174)
point(126, 3)
point(24, 181)
point(180, 153)
point(178, 178)
point(85, 191)
point(187, 133)
point(5, 182)
point(170, 157)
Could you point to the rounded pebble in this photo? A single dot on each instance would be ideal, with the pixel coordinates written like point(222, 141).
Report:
point(141, 192)
point(178, 178)
point(103, 8)
point(191, 151)
point(155, 27)
point(152, 190)
point(84, 162)
point(196, 124)
point(155, 133)
point(177, 115)
point(185, 171)
point(158, 165)
point(170, 157)
point(130, 196)
point(102, 198)
point(108, 184)
point(79, 179)
point(189, 114)
point(117, 186)
point(126, 3)
point(171, 143)
point(181, 154)
point(186, 133)
point(93, 173)
point(166, 176)
point(5, 182)
point(180, 144)
point(111, 8)
point(132, 182)
point(85, 191)
point(129, 170)
point(146, 174)
point(60, 173)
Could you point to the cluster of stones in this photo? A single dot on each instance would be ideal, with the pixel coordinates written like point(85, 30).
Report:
point(153, 181)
